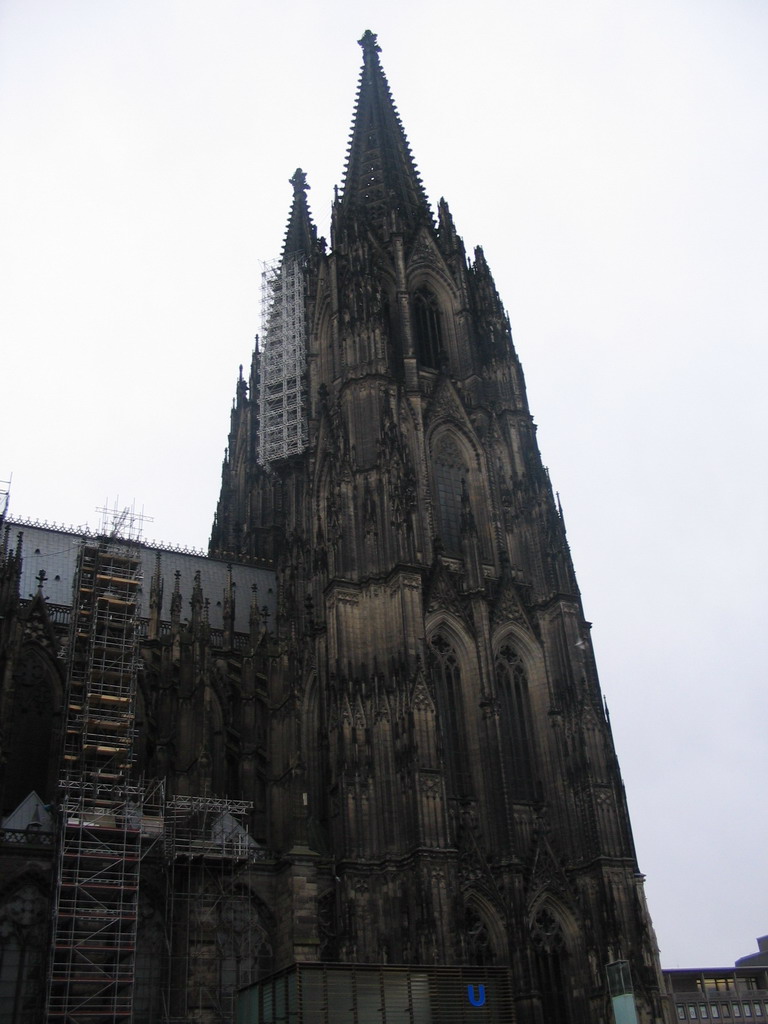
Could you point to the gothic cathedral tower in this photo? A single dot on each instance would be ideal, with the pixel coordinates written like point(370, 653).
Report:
point(443, 781)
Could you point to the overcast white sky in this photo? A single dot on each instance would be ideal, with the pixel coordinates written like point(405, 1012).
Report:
point(612, 159)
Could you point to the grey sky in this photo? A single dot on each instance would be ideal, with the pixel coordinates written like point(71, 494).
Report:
point(611, 158)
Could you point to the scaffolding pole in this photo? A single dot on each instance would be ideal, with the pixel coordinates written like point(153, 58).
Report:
point(92, 964)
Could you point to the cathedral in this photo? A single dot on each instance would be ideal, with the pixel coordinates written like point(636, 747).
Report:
point(353, 764)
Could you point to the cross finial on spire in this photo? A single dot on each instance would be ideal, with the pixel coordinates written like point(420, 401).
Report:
point(301, 234)
point(369, 43)
point(299, 181)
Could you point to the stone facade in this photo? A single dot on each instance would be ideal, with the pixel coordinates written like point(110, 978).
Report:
point(417, 722)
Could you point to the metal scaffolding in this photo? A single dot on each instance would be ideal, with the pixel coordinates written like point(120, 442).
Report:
point(283, 387)
point(91, 968)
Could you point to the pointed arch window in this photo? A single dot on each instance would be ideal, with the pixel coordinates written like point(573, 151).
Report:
point(450, 474)
point(447, 674)
point(428, 332)
point(391, 324)
point(34, 745)
point(477, 941)
point(515, 721)
point(550, 955)
point(315, 741)
point(148, 986)
point(23, 936)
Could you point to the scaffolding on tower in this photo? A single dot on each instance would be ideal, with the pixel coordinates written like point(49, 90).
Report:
point(92, 964)
point(283, 386)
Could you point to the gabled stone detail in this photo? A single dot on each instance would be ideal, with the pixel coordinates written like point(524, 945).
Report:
point(546, 874)
point(358, 714)
point(426, 253)
point(445, 405)
point(475, 873)
point(38, 628)
point(442, 594)
point(508, 607)
point(421, 698)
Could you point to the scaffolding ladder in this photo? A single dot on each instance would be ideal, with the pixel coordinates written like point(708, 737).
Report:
point(92, 964)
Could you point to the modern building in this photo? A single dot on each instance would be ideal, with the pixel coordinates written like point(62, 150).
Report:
point(758, 959)
point(719, 994)
point(360, 750)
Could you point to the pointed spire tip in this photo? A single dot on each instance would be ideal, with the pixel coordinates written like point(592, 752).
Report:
point(369, 43)
point(299, 181)
point(380, 175)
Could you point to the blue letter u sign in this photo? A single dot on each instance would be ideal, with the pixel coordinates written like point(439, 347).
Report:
point(476, 998)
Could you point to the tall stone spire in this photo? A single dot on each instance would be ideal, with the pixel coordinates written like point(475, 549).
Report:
point(301, 233)
point(381, 175)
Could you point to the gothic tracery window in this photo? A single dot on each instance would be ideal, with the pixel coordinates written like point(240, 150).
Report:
point(450, 474)
point(550, 953)
point(23, 936)
point(512, 685)
point(244, 951)
point(429, 339)
point(226, 938)
point(34, 743)
point(150, 946)
point(450, 708)
point(479, 949)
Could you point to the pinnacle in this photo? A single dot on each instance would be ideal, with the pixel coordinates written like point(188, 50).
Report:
point(299, 181)
point(369, 43)
point(301, 233)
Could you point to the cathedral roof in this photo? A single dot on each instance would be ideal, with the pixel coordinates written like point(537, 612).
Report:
point(380, 175)
point(56, 551)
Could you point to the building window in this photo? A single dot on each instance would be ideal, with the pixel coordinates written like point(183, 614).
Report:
point(550, 951)
point(23, 938)
point(680, 1011)
point(747, 1010)
point(479, 949)
point(692, 1011)
point(703, 1012)
point(737, 1009)
point(719, 982)
point(450, 472)
point(31, 754)
point(426, 321)
point(758, 1009)
point(514, 717)
point(715, 1011)
point(447, 674)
